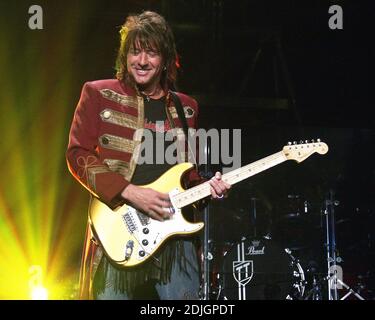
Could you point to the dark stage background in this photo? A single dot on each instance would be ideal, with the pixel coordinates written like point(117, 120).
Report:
point(274, 69)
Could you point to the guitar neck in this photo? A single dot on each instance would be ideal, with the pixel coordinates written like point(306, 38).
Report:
point(203, 190)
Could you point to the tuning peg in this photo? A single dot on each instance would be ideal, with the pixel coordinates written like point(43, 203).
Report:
point(318, 140)
point(312, 140)
point(306, 141)
point(289, 143)
point(294, 142)
point(301, 142)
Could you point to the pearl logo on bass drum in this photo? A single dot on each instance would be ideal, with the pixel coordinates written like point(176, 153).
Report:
point(253, 250)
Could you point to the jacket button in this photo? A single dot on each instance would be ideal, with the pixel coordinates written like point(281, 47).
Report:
point(189, 111)
point(105, 140)
point(107, 114)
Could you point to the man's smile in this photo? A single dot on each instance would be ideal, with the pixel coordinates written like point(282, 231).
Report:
point(142, 72)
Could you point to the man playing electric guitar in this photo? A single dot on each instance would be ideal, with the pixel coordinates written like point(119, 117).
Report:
point(102, 155)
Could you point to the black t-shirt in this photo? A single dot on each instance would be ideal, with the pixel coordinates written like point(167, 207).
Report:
point(156, 122)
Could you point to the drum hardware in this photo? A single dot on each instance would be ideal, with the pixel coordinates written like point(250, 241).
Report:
point(334, 271)
point(260, 269)
point(316, 292)
point(268, 236)
point(351, 291)
point(300, 285)
point(316, 279)
point(245, 278)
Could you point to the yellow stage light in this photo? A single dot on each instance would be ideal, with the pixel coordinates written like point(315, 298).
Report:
point(39, 293)
point(42, 216)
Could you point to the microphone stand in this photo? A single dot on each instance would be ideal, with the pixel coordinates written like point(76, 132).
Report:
point(207, 256)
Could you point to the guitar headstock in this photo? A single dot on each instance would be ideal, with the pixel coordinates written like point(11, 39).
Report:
point(302, 151)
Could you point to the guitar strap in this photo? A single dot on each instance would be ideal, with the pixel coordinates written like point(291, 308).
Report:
point(181, 116)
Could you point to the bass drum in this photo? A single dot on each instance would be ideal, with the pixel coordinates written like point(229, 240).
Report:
point(259, 269)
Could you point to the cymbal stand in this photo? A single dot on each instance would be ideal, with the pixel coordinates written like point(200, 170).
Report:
point(335, 272)
point(351, 291)
point(329, 213)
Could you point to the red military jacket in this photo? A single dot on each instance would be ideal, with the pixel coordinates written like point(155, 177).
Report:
point(103, 150)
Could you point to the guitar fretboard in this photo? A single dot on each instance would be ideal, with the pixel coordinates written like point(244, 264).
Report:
point(203, 190)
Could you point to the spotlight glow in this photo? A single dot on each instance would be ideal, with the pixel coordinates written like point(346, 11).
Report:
point(42, 216)
point(39, 293)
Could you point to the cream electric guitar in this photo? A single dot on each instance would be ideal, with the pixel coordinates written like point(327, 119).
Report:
point(129, 237)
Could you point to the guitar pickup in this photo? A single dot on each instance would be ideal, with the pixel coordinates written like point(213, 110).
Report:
point(130, 224)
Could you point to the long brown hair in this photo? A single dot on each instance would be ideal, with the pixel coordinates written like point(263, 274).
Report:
point(148, 30)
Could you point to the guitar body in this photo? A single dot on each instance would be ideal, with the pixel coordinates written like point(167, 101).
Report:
point(128, 237)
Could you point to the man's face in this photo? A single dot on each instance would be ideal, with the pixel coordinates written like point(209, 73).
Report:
point(145, 65)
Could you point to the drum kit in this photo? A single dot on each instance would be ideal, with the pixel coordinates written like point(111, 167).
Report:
point(292, 257)
point(260, 270)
